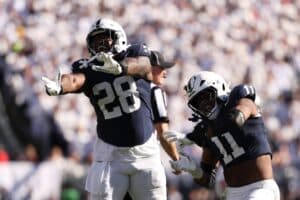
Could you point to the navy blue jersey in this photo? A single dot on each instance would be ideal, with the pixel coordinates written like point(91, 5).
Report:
point(122, 103)
point(232, 144)
point(240, 91)
point(134, 50)
point(159, 104)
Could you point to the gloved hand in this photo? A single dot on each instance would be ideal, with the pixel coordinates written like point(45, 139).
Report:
point(53, 87)
point(185, 163)
point(179, 138)
point(110, 65)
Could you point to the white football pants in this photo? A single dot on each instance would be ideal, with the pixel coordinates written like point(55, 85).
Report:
point(261, 190)
point(144, 179)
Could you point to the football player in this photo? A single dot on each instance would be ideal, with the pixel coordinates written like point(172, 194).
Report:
point(232, 133)
point(126, 152)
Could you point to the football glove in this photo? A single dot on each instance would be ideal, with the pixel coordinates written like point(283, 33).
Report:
point(179, 138)
point(110, 65)
point(53, 87)
point(185, 163)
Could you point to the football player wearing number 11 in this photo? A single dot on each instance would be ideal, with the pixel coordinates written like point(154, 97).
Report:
point(126, 152)
point(232, 133)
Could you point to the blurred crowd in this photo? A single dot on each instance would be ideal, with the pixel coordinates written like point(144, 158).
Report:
point(249, 41)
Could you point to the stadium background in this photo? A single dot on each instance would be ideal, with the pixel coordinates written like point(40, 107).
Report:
point(46, 142)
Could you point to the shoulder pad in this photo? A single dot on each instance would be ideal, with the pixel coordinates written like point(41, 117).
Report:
point(79, 65)
point(133, 50)
point(239, 92)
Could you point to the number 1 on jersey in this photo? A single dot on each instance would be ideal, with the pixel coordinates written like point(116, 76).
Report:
point(236, 149)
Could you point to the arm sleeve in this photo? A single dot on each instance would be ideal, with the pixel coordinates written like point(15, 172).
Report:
point(78, 67)
point(159, 105)
point(138, 49)
point(133, 51)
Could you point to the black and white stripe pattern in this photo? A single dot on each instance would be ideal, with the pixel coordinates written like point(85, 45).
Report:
point(159, 104)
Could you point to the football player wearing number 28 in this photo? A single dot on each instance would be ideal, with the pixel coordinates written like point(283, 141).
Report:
point(126, 152)
point(232, 133)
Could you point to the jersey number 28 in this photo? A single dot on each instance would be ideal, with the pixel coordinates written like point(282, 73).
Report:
point(115, 90)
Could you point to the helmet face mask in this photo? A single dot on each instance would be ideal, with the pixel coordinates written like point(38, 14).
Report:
point(207, 92)
point(204, 102)
point(106, 35)
point(101, 41)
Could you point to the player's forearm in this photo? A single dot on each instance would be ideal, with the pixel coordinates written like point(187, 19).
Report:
point(208, 177)
point(71, 82)
point(170, 149)
point(209, 164)
point(140, 67)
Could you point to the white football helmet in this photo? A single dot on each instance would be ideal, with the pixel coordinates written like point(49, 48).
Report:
point(106, 35)
point(207, 92)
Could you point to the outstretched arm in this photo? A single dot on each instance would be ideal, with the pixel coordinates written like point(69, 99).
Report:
point(71, 83)
point(63, 84)
point(138, 66)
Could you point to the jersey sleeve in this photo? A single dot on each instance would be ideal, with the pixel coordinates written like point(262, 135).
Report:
point(136, 50)
point(80, 66)
point(239, 92)
point(159, 105)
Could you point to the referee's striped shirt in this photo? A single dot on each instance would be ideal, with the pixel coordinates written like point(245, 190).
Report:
point(159, 104)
